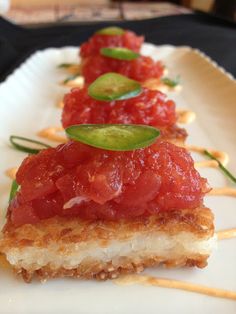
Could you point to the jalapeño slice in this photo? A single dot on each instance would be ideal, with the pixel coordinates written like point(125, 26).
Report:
point(119, 53)
point(116, 137)
point(113, 86)
point(111, 31)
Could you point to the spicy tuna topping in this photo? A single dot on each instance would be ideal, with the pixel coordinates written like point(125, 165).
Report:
point(75, 179)
point(149, 107)
point(140, 69)
point(127, 40)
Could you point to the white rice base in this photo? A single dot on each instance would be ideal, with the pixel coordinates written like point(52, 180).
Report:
point(69, 256)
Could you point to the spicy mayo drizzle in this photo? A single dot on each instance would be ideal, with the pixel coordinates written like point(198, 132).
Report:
point(3, 262)
point(73, 69)
point(226, 234)
point(11, 172)
point(226, 191)
point(78, 81)
point(53, 133)
point(175, 284)
point(206, 164)
point(60, 104)
point(185, 116)
point(220, 155)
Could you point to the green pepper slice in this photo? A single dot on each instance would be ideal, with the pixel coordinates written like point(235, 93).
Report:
point(116, 137)
point(113, 86)
point(119, 53)
point(111, 31)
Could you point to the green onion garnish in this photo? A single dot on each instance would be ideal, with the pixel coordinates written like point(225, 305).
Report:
point(113, 86)
point(119, 53)
point(117, 137)
point(71, 78)
point(171, 82)
point(14, 188)
point(66, 65)
point(111, 30)
point(27, 149)
point(221, 166)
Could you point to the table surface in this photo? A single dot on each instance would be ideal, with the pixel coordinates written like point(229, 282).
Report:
point(61, 13)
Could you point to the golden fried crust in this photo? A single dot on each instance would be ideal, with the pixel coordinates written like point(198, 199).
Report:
point(59, 230)
point(65, 231)
point(103, 271)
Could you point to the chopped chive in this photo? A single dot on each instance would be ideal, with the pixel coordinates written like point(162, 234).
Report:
point(221, 166)
point(14, 189)
point(116, 137)
point(27, 149)
point(66, 65)
point(171, 82)
point(71, 78)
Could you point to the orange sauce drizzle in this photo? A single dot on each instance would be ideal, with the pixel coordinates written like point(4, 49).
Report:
point(221, 156)
point(3, 262)
point(73, 69)
point(77, 82)
point(226, 191)
point(206, 164)
point(185, 116)
point(165, 72)
point(52, 133)
point(175, 284)
point(11, 172)
point(60, 104)
point(226, 234)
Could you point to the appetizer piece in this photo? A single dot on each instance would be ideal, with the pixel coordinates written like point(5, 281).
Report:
point(114, 49)
point(106, 37)
point(111, 37)
point(123, 61)
point(89, 212)
point(130, 104)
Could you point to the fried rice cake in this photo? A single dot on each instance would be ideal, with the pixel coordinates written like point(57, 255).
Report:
point(71, 247)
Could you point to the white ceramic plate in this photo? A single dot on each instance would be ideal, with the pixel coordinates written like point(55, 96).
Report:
point(28, 99)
